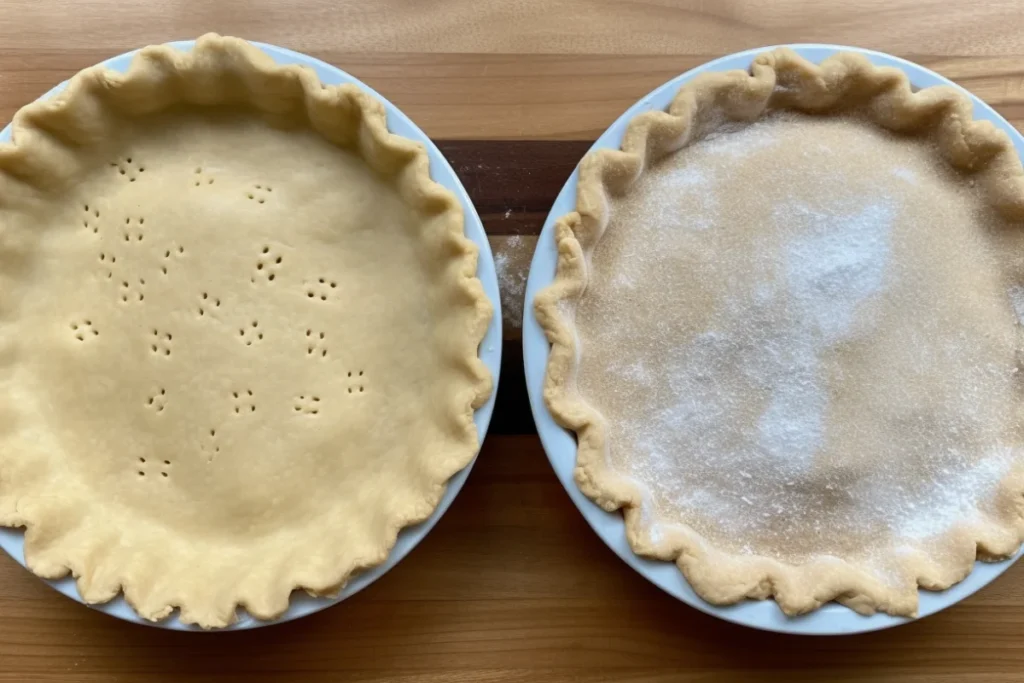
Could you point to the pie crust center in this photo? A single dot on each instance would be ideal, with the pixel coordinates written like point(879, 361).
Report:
point(804, 344)
point(199, 362)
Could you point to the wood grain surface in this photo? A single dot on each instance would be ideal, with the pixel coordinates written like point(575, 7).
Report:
point(511, 585)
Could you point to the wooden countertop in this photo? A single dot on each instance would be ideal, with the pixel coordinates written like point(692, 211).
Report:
point(511, 585)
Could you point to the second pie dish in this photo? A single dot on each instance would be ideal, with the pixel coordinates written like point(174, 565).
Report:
point(247, 328)
point(740, 419)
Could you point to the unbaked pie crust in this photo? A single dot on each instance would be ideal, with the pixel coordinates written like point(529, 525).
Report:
point(239, 333)
point(785, 328)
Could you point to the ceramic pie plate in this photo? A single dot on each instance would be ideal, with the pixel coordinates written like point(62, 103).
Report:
point(560, 444)
point(301, 604)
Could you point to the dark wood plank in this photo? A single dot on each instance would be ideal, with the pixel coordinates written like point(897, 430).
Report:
point(513, 182)
point(512, 413)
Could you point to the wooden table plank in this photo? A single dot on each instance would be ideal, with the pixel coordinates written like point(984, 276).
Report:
point(504, 97)
point(525, 26)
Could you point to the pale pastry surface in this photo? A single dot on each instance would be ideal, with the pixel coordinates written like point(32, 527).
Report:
point(797, 343)
point(240, 334)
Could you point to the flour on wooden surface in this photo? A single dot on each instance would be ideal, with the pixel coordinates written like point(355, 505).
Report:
point(512, 263)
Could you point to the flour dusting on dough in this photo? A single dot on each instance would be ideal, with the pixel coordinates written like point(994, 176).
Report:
point(777, 350)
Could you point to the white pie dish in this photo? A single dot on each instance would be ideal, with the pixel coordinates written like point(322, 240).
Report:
point(561, 447)
point(12, 540)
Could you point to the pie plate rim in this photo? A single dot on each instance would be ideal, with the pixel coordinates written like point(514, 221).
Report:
point(560, 444)
point(302, 604)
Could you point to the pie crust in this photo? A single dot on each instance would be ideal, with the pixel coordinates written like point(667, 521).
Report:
point(676, 322)
point(239, 337)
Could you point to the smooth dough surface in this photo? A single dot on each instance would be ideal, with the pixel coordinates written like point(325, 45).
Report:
point(238, 358)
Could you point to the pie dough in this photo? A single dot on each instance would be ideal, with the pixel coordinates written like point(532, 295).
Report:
point(239, 333)
point(785, 328)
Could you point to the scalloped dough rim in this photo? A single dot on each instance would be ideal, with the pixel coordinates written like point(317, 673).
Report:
point(44, 131)
point(778, 79)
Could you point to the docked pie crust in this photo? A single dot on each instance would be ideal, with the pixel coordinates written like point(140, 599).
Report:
point(239, 337)
point(785, 329)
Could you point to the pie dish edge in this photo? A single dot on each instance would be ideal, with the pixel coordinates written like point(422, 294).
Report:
point(33, 148)
point(718, 577)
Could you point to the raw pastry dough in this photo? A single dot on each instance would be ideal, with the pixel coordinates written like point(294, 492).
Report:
point(239, 333)
point(785, 329)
